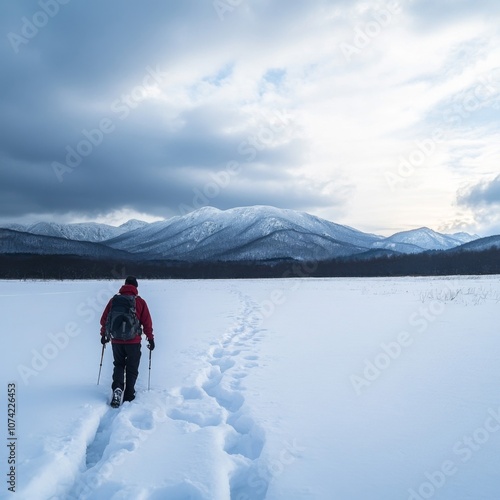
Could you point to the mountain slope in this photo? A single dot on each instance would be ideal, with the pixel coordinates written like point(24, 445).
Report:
point(418, 240)
point(480, 244)
point(245, 233)
point(81, 231)
point(465, 237)
point(258, 233)
point(17, 242)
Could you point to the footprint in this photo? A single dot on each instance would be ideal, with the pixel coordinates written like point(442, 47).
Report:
point(218, 352)
point(249, 482)
point(193, 392)
point(236, 384)
point(203, 415)
point(230, 400)
point(142, 420)
point(182, 491)
point(245, 445)
point(214, 378)
point(224, 364)
point(95, 449)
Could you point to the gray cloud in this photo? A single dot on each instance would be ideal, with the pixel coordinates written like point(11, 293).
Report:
point(482, 194)
point(58, 86)
point(428, 14)
point(139, 165)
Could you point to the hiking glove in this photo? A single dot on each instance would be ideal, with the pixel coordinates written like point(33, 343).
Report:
point(104, 339)
point(151, 344)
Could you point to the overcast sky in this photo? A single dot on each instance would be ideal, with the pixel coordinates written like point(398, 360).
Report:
point(383, 115)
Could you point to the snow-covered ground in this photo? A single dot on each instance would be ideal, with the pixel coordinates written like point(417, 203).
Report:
point(327, 389)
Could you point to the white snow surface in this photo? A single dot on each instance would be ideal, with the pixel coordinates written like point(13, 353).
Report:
point(327, 389)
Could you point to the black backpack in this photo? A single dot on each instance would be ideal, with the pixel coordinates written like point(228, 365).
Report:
point(122, 322)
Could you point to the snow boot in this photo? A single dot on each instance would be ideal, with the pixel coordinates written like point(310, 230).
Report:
point(117, 398)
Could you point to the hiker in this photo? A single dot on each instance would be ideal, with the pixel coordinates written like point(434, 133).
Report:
point(122, 322)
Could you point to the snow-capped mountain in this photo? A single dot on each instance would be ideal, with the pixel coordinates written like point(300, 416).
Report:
point(258, 233)
point(263, 233)
point(130, 225)
point(481, 244)
point(465, 237)
point(17, 242)
point(417, 240)
point(252, 233)
point(81, 231)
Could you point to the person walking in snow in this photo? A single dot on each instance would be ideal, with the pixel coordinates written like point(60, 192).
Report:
point(123, 321)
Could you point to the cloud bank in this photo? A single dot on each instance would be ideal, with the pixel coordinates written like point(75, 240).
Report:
point(374, 115)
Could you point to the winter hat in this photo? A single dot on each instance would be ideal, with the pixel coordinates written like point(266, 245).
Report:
point(131, 280)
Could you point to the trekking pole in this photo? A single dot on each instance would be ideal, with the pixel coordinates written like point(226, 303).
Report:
point(149, 377)
point(100, 366)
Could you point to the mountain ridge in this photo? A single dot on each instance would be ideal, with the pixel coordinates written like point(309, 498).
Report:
point(19, 242)
point(257, 233)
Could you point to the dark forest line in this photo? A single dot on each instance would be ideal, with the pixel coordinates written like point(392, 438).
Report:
point(434, 263)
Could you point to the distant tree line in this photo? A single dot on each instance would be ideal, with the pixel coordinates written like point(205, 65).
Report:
point(434, 263)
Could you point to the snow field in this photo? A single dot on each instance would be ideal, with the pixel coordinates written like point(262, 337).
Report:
point(277, 389)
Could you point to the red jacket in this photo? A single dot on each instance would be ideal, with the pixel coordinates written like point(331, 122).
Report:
point(142, 312)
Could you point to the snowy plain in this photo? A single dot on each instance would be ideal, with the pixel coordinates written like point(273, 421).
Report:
point(325, 389)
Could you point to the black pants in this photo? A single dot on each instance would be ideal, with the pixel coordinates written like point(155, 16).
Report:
point(126, 368)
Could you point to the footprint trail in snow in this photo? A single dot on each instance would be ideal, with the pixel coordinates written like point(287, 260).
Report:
point(217, 399)
point(119, 433)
